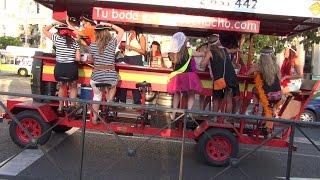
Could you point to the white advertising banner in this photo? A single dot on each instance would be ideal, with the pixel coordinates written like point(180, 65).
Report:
point(299, 8)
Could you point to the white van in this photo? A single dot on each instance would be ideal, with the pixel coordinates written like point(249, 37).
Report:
point(17, 60)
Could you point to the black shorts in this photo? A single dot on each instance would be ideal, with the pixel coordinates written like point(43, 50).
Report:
point(66, 72)
point(221, 93)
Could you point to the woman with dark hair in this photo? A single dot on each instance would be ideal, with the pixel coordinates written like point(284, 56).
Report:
point(135, 51)
point(291, 71)
point(155, 57)
point(102, 52)
point(67, 52)
point(221, 67)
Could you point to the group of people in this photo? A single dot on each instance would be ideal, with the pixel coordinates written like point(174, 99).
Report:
point(101, 45)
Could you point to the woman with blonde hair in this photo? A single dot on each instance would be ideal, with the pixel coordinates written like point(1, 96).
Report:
point(269, 70)
point(102, 52)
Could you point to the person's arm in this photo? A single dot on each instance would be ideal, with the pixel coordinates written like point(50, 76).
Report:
point(143, 45)
point(233, 50)
point(46, 30)
point(253, 69)
point(119, 30)
point(205, 61)
point(198, 54)
point(77, 48)
point(78, 55)
point(299, 74)
point(75, 30)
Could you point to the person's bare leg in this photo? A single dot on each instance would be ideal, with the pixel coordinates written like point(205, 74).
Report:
point(202, 102)
point(216, 104)
point(191, 98)
point(175, 104)
point(236, 104)
point(73, 91)
point(62, 93)
point(96, 97)
point(111, 93)
point(95, 107)
point(228, 100)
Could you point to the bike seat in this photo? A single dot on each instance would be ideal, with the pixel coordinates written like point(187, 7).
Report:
point(143, 85)
point(103, 85)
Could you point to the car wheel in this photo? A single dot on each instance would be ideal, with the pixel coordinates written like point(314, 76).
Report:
point(23, 72)
point(308, 116)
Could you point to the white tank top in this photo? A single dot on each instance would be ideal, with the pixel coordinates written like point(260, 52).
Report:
point(134, 43)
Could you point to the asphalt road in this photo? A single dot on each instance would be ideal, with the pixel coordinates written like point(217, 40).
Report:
point(106, 158)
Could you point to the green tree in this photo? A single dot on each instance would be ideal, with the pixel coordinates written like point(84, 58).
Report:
point(9, 41)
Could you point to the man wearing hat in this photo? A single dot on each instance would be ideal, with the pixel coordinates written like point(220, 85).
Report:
point(88, 28)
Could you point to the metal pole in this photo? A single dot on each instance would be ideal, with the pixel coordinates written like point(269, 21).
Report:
point(290, 149)
point(84, 119)
point(182, 145)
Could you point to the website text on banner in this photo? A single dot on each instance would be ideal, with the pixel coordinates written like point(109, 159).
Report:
point(179, 20)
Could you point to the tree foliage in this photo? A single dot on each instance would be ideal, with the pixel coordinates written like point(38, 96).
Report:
point(310, 38)
point(9, 41)
point(261, 41)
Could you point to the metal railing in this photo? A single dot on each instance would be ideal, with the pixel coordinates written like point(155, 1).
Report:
point(86, 104)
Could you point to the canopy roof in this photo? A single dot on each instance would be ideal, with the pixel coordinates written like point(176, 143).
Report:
point(272, 17)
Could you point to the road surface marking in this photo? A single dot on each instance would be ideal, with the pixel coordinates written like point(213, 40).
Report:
point(297, 178)
point(305, 141)
point(29, 156)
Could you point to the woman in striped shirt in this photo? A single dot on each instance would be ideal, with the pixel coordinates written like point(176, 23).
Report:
point(67, 52)
point(102, 52)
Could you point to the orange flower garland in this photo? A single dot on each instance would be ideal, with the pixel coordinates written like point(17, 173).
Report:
point(263, 99)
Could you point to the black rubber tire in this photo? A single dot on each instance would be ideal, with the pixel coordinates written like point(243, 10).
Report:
point(25, 72)
point(222, 133)
point(61, 129)
point(36, 116)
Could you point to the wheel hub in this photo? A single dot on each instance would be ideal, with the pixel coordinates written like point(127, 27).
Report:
point(219, 148)
point(306, 117)
point(32, 126)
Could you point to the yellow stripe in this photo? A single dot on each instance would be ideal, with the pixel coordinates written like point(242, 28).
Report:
point(207, 84)
point(143, 77)
point(82, 72)
point(9, 68)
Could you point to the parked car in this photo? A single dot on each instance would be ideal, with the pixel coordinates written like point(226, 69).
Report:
point(312, 111)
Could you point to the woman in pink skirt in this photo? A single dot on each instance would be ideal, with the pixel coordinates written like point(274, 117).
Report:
point(184, 77)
